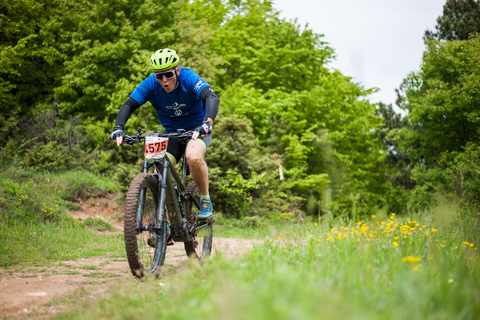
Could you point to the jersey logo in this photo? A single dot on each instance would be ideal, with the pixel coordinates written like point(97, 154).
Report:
point(176, 106)
point(198, 85)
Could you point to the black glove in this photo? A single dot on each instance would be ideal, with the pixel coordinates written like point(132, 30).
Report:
point(206, 126)
point(117, 132)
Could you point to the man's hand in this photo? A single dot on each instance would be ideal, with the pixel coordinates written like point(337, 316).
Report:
point(117, 135)
point(204, 129)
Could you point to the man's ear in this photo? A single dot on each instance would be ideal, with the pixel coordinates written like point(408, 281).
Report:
point(178, 70)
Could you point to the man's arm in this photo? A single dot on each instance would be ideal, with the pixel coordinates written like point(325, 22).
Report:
point(125, 112)
point(212, 102)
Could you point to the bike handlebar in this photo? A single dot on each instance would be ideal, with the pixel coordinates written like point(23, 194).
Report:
point(179, 134)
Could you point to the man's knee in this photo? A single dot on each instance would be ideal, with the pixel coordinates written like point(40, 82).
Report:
point(195, 153)
point(194, 158)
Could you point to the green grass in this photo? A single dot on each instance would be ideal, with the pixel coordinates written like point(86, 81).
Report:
point(416, 267)
point(42, 244)
point(98, 224)
point(386, 267)
point(34, 226)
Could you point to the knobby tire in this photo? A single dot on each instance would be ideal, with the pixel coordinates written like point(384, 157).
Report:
point(146, 249)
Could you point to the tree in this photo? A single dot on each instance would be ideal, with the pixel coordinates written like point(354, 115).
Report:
point(271, 76)
point(397, 162)
point(460, 19)
point(267, 52)
point(443, 101)
point(30, 58)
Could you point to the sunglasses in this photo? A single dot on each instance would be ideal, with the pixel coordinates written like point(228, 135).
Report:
point(168, 75)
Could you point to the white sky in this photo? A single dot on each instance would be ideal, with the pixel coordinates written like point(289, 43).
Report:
point(377, 42)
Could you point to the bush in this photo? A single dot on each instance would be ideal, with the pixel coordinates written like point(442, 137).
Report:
point(466, 169)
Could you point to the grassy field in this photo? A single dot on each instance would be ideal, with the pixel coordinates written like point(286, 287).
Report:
point(418, 266)
point(34, 226)
point(415, 267)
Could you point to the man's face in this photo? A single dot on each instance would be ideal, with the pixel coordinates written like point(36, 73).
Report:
point(168, 79)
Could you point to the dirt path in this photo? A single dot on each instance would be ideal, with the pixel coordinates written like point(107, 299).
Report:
point(41, 292)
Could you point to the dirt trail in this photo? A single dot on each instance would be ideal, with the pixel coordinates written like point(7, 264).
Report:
point(41, 292)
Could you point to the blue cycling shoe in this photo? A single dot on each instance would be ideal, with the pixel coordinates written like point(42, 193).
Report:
point(207, 209)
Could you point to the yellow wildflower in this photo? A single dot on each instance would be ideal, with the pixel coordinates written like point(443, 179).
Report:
point(411, 259)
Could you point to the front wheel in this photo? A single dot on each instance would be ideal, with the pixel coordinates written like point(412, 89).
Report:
point(145, 242)
point(201, 245)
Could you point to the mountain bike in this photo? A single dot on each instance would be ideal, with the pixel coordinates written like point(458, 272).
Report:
point(160, 209)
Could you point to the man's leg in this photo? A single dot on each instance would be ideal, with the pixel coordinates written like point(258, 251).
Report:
point(195, 153)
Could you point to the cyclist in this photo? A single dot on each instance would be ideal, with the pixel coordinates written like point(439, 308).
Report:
point(182, 100)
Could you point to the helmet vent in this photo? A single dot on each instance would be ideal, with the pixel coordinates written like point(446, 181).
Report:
point(164, 59)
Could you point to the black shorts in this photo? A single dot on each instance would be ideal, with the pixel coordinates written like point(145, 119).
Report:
point(176, 149)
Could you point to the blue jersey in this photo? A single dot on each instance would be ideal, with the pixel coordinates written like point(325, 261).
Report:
point(182, 108)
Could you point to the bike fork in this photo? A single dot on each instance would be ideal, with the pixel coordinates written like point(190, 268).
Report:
point(162, 196)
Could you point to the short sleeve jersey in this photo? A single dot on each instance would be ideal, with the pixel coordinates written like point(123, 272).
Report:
point(180, 109)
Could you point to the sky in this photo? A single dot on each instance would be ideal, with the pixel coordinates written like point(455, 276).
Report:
point(376, 42)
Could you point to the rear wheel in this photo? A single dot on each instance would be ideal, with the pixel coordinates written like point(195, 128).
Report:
point(201, 245)
point(145, 246)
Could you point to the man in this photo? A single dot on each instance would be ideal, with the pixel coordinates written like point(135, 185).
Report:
point(182, 100)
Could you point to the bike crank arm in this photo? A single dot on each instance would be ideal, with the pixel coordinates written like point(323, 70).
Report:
point(199, 227)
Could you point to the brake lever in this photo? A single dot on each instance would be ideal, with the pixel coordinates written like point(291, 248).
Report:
point(130, 140)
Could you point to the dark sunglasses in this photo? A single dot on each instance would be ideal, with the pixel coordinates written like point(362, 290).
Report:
point(168, 75)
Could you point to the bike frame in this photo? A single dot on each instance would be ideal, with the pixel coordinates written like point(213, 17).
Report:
point(172, 188)
point(172, 196)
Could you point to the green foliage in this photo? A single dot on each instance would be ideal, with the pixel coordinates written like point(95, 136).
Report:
point(442, 101)
point(231, 158)
point(466, 173)
point(460, 19)
point(396, 160)
point(273, 72)
point(261, 49)
point(33, 210)
point(29, 54)
point(442, 134)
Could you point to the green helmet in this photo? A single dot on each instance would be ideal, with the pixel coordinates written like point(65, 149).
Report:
point(164, 59)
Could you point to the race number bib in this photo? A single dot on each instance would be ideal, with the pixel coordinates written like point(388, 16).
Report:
point(155, 147)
